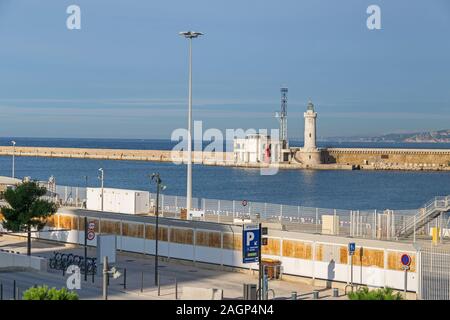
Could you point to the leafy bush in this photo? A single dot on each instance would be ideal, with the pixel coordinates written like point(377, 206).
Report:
point(378, 294)
point(44, 293)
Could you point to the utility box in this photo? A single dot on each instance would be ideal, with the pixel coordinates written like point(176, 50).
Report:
point(196, 215)
point(106, 247)
point(250, 291)
point(330, 224)
point(118, 200)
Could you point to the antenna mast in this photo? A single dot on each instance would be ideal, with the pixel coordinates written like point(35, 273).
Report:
point(283, 117)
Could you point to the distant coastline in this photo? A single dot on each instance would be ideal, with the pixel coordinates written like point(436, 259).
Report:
point(441, 136)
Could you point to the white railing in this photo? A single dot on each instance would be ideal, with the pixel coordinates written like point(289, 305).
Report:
point(375, 224)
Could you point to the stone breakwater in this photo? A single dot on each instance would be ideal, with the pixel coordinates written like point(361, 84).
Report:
point(333, 159)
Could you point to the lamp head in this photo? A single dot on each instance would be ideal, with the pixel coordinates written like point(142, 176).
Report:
point(190, 34)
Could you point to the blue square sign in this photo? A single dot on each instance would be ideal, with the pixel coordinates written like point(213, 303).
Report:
point(250, 244)
point(351, 248)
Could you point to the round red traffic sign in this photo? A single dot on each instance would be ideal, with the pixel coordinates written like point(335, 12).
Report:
point(91, 225)
point(405, 260)
point(91, 235)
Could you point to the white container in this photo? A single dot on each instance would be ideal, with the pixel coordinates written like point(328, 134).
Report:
point(118, 200)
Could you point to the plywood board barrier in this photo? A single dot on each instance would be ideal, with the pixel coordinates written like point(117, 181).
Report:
point(67, 222)
point(208, 239)
point(110, 227)
point(329, 252)
point(297, 249)
point(273, 247)
point(394, 262)
point(150, 231)
point(183, 236)
point(51, 221)
point(232, 241)
point(135, 230)
point(81, 223)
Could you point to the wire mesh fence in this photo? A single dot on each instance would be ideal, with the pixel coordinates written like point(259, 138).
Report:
point(371, 224)
point(434, 273)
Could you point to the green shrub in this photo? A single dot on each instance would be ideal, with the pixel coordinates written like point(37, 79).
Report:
point(44, 293)
point(378, 294)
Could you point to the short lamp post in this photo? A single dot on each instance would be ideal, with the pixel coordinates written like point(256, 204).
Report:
point(102, 178)
point(13, 157)
point(159, 187)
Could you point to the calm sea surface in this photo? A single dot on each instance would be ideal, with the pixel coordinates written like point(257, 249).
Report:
point(328, 189)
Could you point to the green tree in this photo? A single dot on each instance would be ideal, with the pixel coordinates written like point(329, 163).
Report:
point(26, 209)
point(379, 294)
point(44, 293)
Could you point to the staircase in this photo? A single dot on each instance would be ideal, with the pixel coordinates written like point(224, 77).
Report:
point(428, 213)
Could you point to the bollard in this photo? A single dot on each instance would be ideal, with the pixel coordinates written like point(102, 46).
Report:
point(142, 281)
point(294, 295)
point(93, 276)
point(159, 286)
point(14, 289)
point(1, 291)
point(125, 278)
point(17, 294)
point(176, 289)
point(335, 292)
point(315, 294)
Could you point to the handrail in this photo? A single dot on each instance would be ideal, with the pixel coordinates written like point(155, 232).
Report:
point(430, 210)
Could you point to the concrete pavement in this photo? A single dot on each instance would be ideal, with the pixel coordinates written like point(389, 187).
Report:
point(139, 267)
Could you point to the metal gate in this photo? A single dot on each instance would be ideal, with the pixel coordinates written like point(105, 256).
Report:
point(434, 273)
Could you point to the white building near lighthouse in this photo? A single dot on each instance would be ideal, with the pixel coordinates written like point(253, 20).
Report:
point(256, 148)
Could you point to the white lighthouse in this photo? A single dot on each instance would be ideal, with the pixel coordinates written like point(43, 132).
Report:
point(309, 155)
point(310, 127)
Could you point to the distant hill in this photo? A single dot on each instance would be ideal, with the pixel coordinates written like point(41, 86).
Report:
point(441, 136)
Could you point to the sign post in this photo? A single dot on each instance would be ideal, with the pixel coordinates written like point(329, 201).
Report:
point(406, 262)
point(85, 246)
point(251, 249)
point(351, 252)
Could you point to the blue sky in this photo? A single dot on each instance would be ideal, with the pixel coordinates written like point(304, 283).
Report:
point(124, 74)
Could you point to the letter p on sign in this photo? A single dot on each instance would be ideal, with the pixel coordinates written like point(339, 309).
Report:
point(250, 237)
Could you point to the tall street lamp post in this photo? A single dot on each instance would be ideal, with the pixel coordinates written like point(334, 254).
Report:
point(159, 187)
point(190, 35)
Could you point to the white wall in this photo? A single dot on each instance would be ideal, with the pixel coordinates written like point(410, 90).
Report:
point(373, 276)
point(14, 260)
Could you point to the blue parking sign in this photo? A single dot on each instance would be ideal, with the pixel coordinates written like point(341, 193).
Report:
point(351, 248)
point(250, 244)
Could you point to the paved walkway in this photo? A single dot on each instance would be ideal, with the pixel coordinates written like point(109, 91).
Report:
point(140, 267)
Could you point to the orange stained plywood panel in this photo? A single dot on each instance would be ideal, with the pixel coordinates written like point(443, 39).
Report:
point(81, 223)
point(150, 231)
point(319, 252)
point(272, 247)
point(297, 249)
point(110, 227)
point(207, 239)
point(135, 230)
point(369, 257)
point(394, 262)
point(183, 236)
point(67, 222)
point(232, 241)
point(51, 221)
point(343, 255)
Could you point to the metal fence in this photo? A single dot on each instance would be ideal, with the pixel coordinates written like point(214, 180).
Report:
point(434, 273)
point(371, 224)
